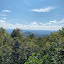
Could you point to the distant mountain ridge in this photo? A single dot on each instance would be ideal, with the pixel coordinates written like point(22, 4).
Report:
point(37, 33)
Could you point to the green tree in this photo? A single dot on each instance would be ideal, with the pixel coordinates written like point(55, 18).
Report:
point(16, 33)
point(61, 32)
point(32, 59)
point(46, 59)
point(32, 36)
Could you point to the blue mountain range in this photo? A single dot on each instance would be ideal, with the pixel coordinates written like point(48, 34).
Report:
point(37, 33)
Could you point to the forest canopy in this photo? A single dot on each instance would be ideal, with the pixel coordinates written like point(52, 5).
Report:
point(16, 49)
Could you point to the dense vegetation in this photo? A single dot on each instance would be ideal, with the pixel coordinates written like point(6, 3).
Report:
point(16, 49)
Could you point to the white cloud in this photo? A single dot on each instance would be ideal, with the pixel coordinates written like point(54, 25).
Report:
point(42, 24)
point(53, 21)
point(43, 9)
point(3, 17)
point(33, 26)
point(34, 23)
point(2, 21)
point(62, 21)
point(6, 11)
point(49, 23)
point(45, 24)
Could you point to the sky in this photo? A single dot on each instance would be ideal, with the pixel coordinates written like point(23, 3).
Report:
point(32, 14)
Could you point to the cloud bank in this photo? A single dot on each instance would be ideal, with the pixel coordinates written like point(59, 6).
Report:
point(51, 25)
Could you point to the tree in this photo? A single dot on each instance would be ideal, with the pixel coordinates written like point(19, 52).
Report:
point(16, 33)
point(32, 59)
point(46, 59)
point(15, 53)
point(32, 36)
point(61, 32)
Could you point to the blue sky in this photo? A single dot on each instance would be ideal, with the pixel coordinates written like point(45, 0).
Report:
point(32, 14)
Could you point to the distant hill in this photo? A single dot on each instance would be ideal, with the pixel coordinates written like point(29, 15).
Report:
point(37, 33)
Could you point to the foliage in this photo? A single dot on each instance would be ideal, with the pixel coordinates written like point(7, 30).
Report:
point(16, 33)
point(16, 49)
point(33, 59)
